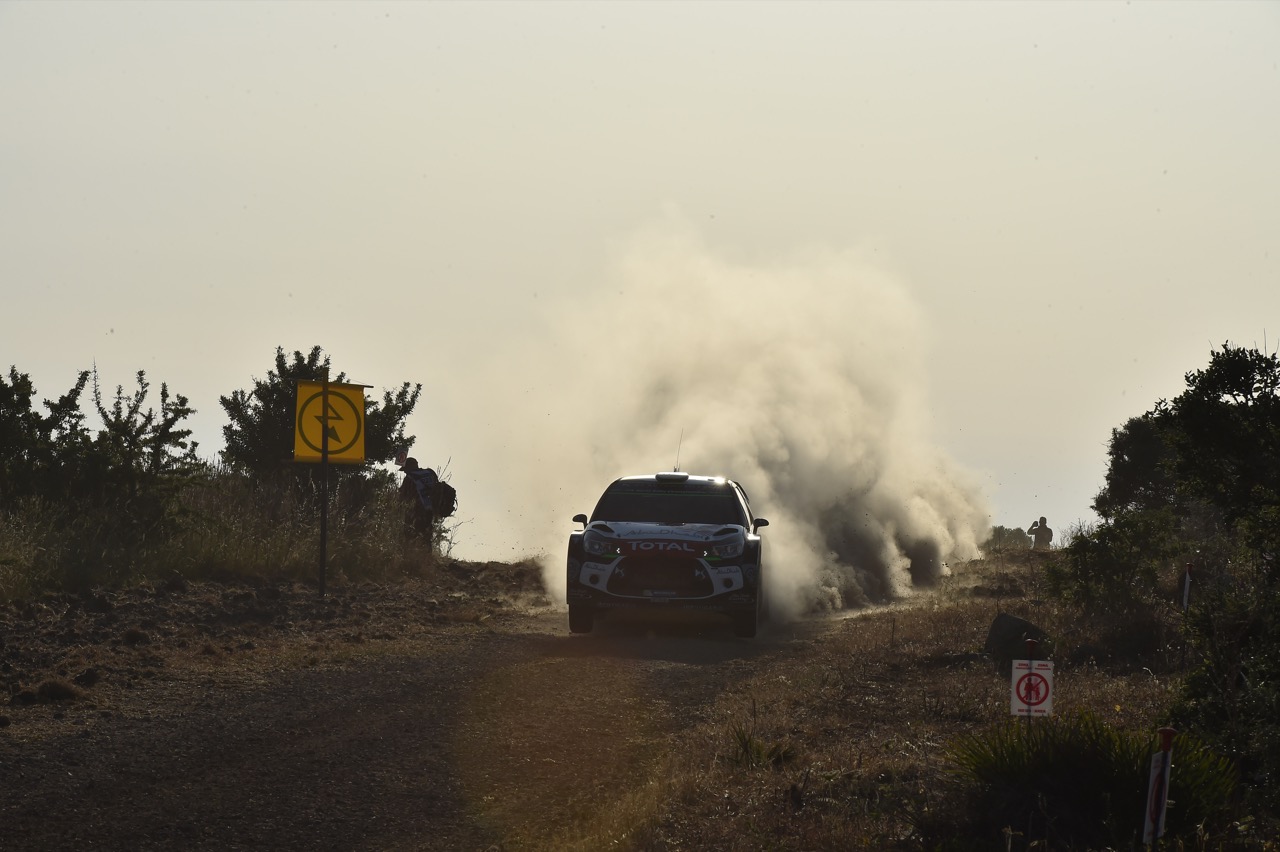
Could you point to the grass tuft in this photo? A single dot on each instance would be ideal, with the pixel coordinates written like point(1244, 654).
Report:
point(55, 689)
point(751, 752)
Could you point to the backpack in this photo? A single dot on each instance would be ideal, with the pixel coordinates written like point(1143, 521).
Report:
point(445, 500)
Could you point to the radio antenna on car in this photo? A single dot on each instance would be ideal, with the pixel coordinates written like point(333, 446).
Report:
point(679, 443)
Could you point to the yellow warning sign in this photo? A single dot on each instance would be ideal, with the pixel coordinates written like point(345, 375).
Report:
point(330, 419)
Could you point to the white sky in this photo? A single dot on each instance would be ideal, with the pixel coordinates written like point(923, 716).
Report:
point(1082, 200)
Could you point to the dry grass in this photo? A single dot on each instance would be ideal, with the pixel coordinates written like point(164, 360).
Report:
point(220, 528)
point(842, 745)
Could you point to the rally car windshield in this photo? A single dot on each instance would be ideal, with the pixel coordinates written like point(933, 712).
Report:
point(662, 503)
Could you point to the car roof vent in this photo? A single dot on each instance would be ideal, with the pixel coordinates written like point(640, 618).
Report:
point(726, 531)
point(672, 476)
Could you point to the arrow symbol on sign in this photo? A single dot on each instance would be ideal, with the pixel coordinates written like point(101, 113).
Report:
point(324, 422)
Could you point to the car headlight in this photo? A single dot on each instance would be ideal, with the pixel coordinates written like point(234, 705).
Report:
point(598, 545)
point(727, 551)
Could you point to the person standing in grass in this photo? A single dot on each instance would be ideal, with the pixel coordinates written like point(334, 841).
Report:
point(415, 493)
point(1040, 534)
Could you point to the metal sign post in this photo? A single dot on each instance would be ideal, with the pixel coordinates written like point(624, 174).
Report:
point(1031, 694)
point(324, 478)
point(340, 420)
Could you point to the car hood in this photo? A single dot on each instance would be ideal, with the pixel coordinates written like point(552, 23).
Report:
point(635, 531)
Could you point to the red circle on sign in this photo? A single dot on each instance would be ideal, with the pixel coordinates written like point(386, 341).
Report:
point(1033, 689)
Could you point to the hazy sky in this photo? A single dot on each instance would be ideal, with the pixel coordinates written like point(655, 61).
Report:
point(1030, 219)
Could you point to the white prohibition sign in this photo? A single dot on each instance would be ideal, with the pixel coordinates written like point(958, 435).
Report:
point(1032, 693)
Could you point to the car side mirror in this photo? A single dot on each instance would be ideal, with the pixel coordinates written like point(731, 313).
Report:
point(580, 519)
point(758, 523)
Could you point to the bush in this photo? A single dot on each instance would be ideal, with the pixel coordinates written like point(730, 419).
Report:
point(1117, 566)
point(1074, 781)
point(84, 509)
point(1232, 692)
point(1007, 538)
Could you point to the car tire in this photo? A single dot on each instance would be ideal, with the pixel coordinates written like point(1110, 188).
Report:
point(581, 618)
point(744, 624)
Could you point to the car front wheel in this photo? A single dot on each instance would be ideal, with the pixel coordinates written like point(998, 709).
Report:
point(581, 618)
point(744, 624)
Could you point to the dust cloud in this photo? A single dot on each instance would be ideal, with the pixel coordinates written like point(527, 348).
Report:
point(803, 380)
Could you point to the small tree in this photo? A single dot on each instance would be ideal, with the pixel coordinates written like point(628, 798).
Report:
point(143, 447)
point(40, 453)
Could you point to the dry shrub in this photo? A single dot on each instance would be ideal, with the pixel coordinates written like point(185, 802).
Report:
point(1073, 781)
point(29, 549)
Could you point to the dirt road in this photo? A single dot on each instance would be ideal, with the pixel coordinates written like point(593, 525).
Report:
point(444, 715)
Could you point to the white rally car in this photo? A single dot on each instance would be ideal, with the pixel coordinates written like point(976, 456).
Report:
point(669, 540)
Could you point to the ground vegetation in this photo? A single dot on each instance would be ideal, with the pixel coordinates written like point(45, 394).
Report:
point(1191, 519)
point(110, 489)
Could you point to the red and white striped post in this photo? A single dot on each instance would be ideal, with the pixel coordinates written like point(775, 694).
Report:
point(1158, 788)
